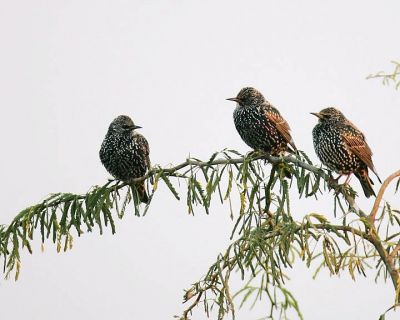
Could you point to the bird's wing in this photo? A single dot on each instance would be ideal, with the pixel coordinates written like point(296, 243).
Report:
point(280, 123)
point(144, 146)
point(356, 142)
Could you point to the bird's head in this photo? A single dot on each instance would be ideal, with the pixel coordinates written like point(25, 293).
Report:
point(329, 114)
point(123, 124)
point(248, 96)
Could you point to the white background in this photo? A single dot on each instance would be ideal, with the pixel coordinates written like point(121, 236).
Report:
point(67, 68)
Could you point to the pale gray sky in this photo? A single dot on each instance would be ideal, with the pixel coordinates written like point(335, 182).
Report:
point(69, 67)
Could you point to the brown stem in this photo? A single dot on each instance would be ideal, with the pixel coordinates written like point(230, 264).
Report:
point(381, 192)
point(193, 305)
point(395, 251)
point(387, 260)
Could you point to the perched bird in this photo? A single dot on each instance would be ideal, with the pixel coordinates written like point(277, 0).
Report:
point(125, 153)
point(260, 124)
point(342, 147)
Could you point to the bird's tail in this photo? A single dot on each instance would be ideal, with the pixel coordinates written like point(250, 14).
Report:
point(292, 148)
point(366, 182)
point(142, 192)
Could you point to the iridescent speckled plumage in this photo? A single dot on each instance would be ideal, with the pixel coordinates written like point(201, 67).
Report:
point(342, 147)
point(125, 153)
point(260, 124)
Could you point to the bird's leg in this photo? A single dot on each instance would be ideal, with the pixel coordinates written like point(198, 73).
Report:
point(257, 153)
point(348, 179)
point(339, 187)
point(116, 190)
point(252, 154)
point(334, 181)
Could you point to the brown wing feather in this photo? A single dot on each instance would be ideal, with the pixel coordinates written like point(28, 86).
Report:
point(360, 147)
point(281, 125)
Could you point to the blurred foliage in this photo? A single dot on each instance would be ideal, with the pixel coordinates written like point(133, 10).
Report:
point(266, 240)
point(389, 78)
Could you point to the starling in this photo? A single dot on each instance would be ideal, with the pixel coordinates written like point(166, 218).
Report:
point(342, 147)
point(260, 125)
point(125, 153)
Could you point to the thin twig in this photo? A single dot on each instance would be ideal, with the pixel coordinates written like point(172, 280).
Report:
point(395, 251)
point(381, 192)
point(230, 264)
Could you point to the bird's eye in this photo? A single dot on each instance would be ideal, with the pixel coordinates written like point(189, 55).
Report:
point(125, 127)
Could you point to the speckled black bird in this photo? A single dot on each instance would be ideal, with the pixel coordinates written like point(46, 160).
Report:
point(260, 124)
point(342, 147)
point(125, 153)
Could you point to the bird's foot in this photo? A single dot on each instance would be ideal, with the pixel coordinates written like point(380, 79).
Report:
point(347, 179)
point(253, 154)
point(334, 182)
point(343, 188)
point(116, 189)
point(339, 187)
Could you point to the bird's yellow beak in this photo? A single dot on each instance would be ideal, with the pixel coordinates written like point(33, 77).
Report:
point(318, 115)
point(233, 99)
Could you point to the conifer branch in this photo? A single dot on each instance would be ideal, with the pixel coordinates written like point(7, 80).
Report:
point(389, 77)
point(268, 237)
